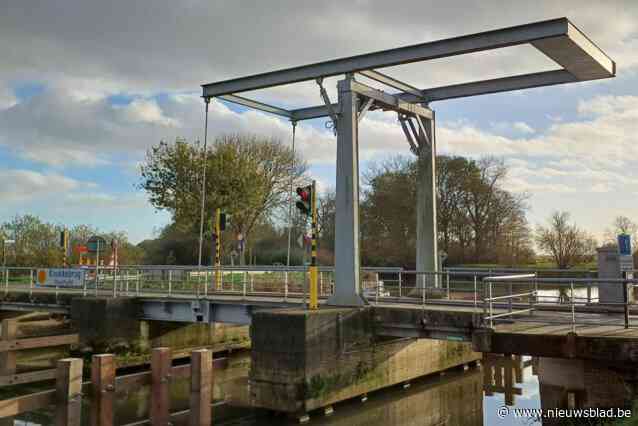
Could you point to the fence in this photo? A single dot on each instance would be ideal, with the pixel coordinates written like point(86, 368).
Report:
point(11, 343)
point(68, 392)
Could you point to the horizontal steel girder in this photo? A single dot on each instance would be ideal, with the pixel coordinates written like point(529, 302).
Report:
point(203, 311)
point(559, 39)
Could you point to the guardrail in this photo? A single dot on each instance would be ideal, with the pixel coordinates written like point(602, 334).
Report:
point(494, 293)
point(567, 295)
point(488, 302)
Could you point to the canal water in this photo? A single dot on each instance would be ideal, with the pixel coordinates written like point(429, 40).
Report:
point(487, 394)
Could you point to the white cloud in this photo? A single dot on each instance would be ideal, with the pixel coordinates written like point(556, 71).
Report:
point(93, 48)
point(7, 98)
point(26, 185)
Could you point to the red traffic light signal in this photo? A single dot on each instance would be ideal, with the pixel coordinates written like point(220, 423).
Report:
point(305, 198)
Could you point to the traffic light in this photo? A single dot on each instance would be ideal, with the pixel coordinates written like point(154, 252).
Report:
point(64, 239)
point(305, 199)
point(224, 221)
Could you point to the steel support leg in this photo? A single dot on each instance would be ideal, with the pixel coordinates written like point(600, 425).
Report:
point(426, 245)
point(347, 285)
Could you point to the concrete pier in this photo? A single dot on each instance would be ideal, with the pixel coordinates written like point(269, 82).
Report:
point(303, 360)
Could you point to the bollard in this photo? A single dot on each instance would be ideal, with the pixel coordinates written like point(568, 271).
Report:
point(201, 387)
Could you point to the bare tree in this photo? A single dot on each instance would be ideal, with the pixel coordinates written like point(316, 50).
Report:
point(622, 225)
point(566, 243)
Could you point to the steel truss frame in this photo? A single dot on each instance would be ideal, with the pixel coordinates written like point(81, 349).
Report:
point(579, 60)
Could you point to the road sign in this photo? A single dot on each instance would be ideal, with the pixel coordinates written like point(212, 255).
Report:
point(624, 244)
point(73, 278)
point(80, 248)
point(95, 244)
point(9, 241)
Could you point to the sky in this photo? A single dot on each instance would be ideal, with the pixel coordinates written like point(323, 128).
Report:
point(87, 87)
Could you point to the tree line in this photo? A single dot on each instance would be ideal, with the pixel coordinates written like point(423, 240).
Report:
point(250, 178)
point(37, 243)
point(479, 221)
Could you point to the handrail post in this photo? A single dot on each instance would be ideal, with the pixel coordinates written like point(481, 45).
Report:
point(491, 306)
point(422, 289)
point(536, 289)
point(447, 283)
point(244, 288)
point(114, 281)
point(6, 280)
point(31, 282)
point(510, 299)
point(286, 287)
point(170, 282)
point(626, 299)
point(137, 283)
point(571, 285)
point(484, 288)
point(475, 293)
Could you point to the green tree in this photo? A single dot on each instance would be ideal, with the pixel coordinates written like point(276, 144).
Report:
point(36, 243)
point(478, 220)
point(247, 176)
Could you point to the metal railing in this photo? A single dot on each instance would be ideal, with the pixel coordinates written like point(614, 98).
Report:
point(489, 298)
point(496, 297)
point(581, 310)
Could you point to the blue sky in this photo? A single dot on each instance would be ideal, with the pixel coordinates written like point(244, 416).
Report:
point(84, 95)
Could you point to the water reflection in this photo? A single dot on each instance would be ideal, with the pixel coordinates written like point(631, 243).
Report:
point(461, 397)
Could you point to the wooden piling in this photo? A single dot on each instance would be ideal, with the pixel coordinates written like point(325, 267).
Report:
point(160, 380)
point(103, 389)
point(201, 387)
point(68, 393)
point(508, 380)
point(8, 332)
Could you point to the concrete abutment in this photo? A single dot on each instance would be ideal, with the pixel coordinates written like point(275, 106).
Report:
point(304, 360)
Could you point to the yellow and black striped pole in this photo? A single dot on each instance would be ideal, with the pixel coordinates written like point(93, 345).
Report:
point(64, 243)
point(314, 296)
point(218, 249)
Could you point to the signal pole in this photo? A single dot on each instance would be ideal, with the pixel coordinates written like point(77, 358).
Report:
point(314, 296)
point(64, 244)
point(307, 205)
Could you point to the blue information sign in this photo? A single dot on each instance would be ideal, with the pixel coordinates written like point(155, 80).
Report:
point(624, 244)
